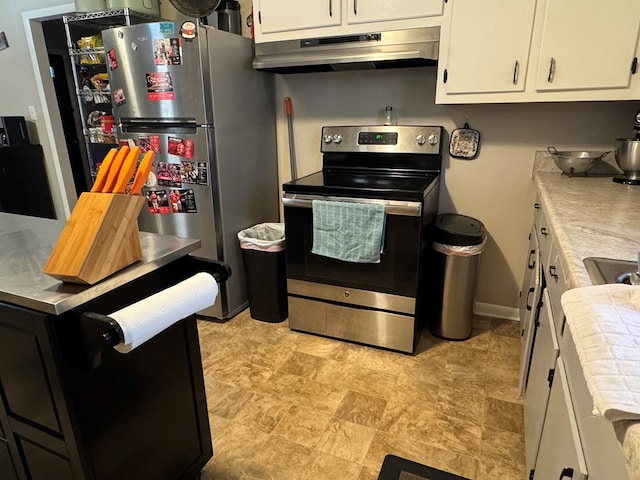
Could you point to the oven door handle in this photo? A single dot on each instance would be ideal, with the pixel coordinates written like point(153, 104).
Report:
point(391, 207)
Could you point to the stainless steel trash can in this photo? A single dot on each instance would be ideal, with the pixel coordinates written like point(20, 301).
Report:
point(458, 241)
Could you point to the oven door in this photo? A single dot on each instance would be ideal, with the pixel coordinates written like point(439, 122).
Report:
point(390, 285)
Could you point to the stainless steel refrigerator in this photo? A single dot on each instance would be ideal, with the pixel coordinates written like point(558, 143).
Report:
point(189, 92)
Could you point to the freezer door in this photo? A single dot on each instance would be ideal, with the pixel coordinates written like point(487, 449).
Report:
point(179, 190)
point(155, 73)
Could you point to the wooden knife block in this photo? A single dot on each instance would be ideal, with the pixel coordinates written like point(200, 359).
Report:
point(100, 238)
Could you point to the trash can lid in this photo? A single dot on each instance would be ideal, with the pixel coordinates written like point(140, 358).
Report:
point(459, 230)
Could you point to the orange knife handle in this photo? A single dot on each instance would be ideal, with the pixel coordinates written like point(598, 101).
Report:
point(114, 171)
point(126, 172)
point(143, 173)
point(103, 171)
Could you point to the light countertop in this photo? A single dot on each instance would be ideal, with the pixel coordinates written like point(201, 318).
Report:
point(594, 217)
point(25, 246)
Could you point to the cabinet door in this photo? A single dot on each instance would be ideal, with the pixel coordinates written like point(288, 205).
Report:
point(369, 11)
point(543, 360)
point(7, 471)
point(286, 15)
point(25, 386)
point(560, 454)
point(485, 54)
point(588, 47)
point(529, 299)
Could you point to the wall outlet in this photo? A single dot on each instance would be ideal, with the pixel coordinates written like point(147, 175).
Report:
point(32, 112)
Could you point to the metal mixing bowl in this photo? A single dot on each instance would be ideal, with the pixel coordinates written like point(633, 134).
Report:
point(628, 157)
point(575, 162)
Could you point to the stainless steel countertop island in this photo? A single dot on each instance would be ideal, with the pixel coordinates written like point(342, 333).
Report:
point(25, 246)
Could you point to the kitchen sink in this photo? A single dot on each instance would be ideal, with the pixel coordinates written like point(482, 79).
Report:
point(609, 270)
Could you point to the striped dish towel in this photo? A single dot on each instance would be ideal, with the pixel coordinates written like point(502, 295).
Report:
point(352, 232)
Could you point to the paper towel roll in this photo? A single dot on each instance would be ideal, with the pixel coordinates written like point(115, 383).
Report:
point(143, 320)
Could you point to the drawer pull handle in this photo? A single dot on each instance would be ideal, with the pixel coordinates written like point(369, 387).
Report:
point(552, 272)
point(531, 290)
point(516, 71)
point(566, 472)
point(531, 264)
point(552, 69)
point(536, 206)
point(543, 231)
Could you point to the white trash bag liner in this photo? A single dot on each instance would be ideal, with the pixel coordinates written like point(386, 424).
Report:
point(267, 237)
point(459, 251)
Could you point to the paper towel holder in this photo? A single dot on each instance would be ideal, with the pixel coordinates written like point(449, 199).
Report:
point(105, 332)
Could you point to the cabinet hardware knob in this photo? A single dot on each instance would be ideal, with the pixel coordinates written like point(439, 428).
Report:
point(536, 206)
point(543, 231)
point(516, 71)
point(552, 69)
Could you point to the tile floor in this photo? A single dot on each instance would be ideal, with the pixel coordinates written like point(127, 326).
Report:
point(285, 405)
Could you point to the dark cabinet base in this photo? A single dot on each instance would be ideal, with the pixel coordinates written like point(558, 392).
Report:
point(126, 417)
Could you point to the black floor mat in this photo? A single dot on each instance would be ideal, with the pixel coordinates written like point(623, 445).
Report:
point(396, 468)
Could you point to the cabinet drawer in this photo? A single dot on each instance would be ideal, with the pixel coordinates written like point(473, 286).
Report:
point(537, 214)
point(602, 450)
point(544, 238)
point(557, 285)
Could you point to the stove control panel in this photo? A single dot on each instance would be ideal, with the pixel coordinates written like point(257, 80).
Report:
point(382, 139)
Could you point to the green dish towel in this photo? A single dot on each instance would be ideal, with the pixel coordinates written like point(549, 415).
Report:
point(352, 232)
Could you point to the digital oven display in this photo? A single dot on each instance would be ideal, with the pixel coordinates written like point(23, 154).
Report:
point(377, 138)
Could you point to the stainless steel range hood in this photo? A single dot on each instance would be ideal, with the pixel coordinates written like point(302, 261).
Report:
point(377, 50)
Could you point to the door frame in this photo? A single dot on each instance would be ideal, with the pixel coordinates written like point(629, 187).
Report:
point(61, 180)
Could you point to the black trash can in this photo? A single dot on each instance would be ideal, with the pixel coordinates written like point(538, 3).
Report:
point(458, 241)
point(263, 256)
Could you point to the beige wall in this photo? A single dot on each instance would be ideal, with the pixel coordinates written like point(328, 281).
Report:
point(496, 187)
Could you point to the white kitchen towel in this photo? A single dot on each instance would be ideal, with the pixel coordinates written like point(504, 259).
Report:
point(605, 325)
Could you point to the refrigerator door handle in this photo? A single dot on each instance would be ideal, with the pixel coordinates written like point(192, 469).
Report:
point(141, 125)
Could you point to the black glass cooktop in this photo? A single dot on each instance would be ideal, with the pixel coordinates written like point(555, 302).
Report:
point(363, 185)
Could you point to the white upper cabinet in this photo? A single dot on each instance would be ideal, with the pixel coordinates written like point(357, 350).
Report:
point(487, 46)
point(588, 47)
point(286, 15)
point(370, 11)
point(277, 20)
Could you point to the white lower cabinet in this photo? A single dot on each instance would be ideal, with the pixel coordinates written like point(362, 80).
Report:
point(529, 300)
point(563, 438)
point(541, 374)
point(560, 454)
